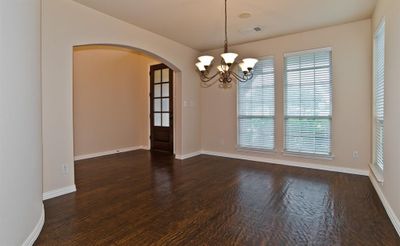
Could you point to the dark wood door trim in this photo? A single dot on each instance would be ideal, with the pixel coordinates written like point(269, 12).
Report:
point(161, 135)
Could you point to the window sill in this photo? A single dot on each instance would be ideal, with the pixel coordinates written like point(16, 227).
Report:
point(254, 150)
point(308, 156)
point(377, 172)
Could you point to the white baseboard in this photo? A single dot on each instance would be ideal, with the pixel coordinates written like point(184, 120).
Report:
point(290, 163)
point(36, 231)
point(109, 152)
point(392, 215)
point(59, 192)
point(187, 156)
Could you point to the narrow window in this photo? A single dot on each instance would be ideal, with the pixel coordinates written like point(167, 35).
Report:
point(308, 102)
point(379, 81)
point(256, 108)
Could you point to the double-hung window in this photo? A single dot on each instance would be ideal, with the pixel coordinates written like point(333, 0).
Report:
point(379, 81)
point(308, 102)
point(256, 108)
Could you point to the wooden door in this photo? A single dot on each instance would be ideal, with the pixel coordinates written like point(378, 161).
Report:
point(161, 108)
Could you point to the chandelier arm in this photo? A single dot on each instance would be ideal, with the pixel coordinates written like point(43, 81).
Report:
point(241, 79)
point(250, 76)
point(205, 78)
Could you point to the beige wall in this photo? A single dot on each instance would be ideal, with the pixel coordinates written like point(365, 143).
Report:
point(111, 102)
point(66, 24)
point(21, 207)
point(351, 45)
point(390, 11)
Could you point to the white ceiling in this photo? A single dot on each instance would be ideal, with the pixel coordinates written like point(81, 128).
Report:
point(199, 23)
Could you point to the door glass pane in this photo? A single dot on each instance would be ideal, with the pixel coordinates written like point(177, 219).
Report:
point(157, 119)
point(157, 90)
point(165, 90)
point(157, 105)
point(157, 76)
point(165, 105)
point(165, 119)
point(165, 75)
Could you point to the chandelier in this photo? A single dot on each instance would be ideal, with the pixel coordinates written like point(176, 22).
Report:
point(227, 67)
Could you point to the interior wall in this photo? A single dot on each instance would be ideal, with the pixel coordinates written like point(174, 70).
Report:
point(351, 45)
point(111, 99)
point(66, 24)
point(389, 10)
point(21, 207)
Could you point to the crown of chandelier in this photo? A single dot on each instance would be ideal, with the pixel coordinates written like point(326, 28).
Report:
point(226, 69)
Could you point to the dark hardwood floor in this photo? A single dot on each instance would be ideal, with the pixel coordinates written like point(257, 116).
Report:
point(137, 198)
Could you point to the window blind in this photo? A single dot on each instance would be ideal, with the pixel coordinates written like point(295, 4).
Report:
point(256, 108)
point(308, 102)
point(379, 68)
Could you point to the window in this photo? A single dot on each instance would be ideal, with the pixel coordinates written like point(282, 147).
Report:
point(256, 108)
point(308, 102)
point(379, 81)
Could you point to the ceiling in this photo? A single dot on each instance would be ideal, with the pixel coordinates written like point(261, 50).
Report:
point(199, 23)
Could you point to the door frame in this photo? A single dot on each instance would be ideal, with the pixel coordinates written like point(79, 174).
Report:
point(149, 113)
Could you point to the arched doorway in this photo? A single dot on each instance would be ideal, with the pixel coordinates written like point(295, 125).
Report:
point(115, 106)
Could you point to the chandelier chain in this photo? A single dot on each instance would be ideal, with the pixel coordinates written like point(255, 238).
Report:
point(226, 28)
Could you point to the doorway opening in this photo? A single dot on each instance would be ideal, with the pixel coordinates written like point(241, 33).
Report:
point(111, 103)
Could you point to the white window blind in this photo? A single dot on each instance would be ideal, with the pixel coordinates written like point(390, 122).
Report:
point(256, 108)
point(379, 67)
point(308, 102)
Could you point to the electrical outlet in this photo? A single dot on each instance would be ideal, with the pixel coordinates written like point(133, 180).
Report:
point(65, 169)
point(355, 155)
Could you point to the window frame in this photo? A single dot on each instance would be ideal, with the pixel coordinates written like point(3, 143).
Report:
point(376, 169)
point(254, 149)
point(330, 155)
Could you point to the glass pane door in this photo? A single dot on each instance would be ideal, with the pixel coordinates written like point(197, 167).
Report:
point(161, 99)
